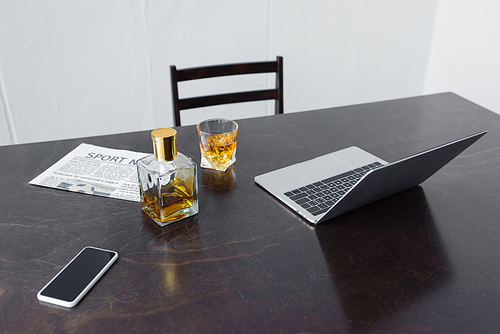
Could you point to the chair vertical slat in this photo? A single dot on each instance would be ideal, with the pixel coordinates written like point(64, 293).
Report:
point(175, 95)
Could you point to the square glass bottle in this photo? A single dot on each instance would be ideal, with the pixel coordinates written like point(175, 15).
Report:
point(167, 180)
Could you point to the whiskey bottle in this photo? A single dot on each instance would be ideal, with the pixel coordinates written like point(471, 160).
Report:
point(167, 180)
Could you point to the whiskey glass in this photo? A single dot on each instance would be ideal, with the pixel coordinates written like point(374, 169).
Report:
point(217, 143)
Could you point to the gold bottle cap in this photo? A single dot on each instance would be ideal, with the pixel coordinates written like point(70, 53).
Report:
point(164, 144)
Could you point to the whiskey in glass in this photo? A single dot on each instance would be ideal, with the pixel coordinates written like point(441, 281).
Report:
point(218, 143)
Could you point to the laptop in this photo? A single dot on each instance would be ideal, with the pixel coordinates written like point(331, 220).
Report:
point(339, 182)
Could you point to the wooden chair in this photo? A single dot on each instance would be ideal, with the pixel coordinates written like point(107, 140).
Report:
point(226, 70)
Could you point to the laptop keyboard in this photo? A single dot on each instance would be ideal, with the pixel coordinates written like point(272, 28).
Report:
point(320, 196)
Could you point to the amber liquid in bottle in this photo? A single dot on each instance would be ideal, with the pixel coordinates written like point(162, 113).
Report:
point(167, 204)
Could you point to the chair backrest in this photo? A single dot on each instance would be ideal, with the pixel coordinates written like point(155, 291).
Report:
point(226, 70)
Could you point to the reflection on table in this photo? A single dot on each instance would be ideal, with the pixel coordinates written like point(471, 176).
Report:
point(383, 264)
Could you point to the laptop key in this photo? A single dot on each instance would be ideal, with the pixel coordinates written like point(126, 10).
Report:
point(302, 200)
point(315, 213)
point(298, 196)
point(313, 209)
point(375, 165)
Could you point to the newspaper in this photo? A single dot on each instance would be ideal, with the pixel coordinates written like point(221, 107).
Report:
point(95, 170)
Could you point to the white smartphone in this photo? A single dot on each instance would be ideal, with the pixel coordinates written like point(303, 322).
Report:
point(69, 286)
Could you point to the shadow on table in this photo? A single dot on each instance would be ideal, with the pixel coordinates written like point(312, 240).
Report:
point(384, 257)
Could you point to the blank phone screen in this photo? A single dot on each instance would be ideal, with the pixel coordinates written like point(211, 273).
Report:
point(78, 274)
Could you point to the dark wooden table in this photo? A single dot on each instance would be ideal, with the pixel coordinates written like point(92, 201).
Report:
point(425, 260)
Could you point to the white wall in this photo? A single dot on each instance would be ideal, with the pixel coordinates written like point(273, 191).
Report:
point(465, 56)
point(80, 68)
